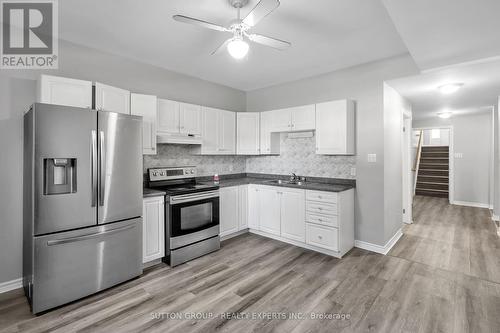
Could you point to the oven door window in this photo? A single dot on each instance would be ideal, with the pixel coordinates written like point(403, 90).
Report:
point(189, 217)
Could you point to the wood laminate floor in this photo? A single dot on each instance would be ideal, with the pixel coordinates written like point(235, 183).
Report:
point(442, 276)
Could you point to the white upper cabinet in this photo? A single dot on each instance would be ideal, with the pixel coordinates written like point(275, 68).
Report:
point(303, 118)
point(227, 132)
point(248, 133)
point(153, 232)
point(146, 106)
point(280, 120)
point(293, 224)
point(190, 119)
point(113, 99)
point(269, 141)
point(168, 119)
point(64, 91)
point(335, 128)
point(179, 118)
point(300, 118)
point(218, 132)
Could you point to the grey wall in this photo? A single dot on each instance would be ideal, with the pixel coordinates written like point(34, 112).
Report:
point(472, 138)
point(496, 159)
point(298, 155)
point(17, 92)
point(364, 84)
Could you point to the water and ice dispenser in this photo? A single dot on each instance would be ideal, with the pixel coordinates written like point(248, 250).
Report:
point(59, 175)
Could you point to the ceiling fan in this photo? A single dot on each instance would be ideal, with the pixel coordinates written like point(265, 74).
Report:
point(236, 45)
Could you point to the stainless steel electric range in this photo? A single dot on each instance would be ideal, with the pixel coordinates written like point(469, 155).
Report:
point(191, 213)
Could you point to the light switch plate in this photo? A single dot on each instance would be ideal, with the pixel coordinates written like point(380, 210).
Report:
point(353, 171)
point(459, 155)
point(372, 158)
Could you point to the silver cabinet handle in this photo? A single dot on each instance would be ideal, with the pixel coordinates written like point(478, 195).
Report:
point(102, 160)
point(88, 236)
point(93, 167)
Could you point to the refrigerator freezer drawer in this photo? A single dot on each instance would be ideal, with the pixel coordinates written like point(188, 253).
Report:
point(71, 265)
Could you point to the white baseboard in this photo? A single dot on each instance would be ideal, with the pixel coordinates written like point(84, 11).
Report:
point(237, 233)
point(11, 285)
point(471, 204)
point(378, 248)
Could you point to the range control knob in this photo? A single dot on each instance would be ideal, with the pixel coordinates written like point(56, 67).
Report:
point(192, 170)
point(155, 173)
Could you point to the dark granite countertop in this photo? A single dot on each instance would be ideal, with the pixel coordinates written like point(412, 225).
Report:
point(149, 192)
point(312, 183)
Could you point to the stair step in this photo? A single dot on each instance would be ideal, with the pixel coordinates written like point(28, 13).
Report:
point(433, 166)
point(436, 148)
point(431, 172)
point(433, 179)
point(432, 160)
point(435, 153)
point(432, 186)
point(432, 193)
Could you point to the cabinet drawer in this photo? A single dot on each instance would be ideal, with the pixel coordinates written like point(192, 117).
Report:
point(325, 237)
point(327, 197)
point(328, 220)
point(321, 208)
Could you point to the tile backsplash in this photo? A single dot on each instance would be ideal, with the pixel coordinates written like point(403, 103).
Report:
point(297, 155)
point(184, 155)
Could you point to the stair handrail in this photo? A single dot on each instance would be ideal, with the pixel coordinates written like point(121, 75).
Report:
point(416, 164)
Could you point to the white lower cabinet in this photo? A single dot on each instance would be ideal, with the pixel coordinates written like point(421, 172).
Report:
point(153, 228)
point(243, 198)
point(228, 210)
point(270, 210)
point(253, 207)
point(293, 214)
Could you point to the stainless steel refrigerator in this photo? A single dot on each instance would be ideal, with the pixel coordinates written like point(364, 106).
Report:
point(82, 202)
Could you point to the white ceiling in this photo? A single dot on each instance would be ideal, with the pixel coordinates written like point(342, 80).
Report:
point(480, 91)
point(445, 32)
point(325, 34)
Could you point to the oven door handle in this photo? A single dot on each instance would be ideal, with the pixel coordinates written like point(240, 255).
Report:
point(193, 197)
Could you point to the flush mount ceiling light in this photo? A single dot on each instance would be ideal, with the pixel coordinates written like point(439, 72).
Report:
point(445, 114)
point(450, 88)
point(237, 45)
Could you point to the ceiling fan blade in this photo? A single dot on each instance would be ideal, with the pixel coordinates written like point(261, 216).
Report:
point(221, 48)
point(261, 10)
point(269, 41)
point(201, 23)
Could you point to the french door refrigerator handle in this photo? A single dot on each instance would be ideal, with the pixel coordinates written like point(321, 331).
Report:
point(102, 158)
point(93, 175)
point(88, 236)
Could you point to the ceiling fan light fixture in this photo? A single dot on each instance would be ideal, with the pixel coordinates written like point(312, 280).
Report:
point(237, 48)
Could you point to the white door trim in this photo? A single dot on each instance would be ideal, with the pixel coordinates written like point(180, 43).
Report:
point(451, 173)
point(407, 185)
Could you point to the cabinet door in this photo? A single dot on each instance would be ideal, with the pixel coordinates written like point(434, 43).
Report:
point(64, 91)
point(253, 207)
point(269, 210)
point(210, 131)
point(269, 142)
point(227, 132)
point(335, 128)
point(248, 133)
point(190, 119)
point(243, 197)
point(153, 232)
point(168, 116)
point(146, 106)
point(113, 99)
point(281, 120)
point(303, 118)
point(293, 224)
point(229, 214)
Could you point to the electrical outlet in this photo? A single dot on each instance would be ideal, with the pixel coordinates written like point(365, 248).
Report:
point(230, 168)
point(353, 171)
point(372, 158)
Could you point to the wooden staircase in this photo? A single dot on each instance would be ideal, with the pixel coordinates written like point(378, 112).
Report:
point(433, 171)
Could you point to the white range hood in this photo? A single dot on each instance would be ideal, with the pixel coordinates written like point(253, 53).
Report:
point(178, 138)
